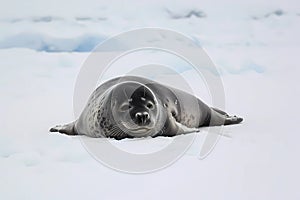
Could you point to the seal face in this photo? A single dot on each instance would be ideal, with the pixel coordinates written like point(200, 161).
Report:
point(128, 107)
point(135, 109)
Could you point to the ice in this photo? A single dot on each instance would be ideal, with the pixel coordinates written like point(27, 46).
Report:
point(255, 46)
point(41, 42)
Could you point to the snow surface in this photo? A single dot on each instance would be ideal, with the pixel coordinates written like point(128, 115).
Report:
point(255, 46)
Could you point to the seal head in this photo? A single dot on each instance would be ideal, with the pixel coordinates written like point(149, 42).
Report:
point(135, 109)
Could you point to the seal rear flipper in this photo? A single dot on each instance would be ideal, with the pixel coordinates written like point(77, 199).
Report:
point(217, 119)
point(67, 129)
point(220, 111)
point(233, 120)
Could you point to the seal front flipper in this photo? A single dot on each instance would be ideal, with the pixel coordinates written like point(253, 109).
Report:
point(185, 130)
point(67, 129)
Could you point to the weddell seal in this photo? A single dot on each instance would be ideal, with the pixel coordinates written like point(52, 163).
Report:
point(130, 106)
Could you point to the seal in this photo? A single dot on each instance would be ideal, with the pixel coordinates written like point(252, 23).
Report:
point(131, 106)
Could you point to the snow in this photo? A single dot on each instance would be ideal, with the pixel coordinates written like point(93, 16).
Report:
point(255, 46)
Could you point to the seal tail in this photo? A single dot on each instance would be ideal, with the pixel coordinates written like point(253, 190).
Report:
point(67, 129)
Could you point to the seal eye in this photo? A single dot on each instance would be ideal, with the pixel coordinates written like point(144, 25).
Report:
point(150, 105)
point(173, 114)
point(125, 107)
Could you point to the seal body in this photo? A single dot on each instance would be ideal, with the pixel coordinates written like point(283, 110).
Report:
point(130, 106)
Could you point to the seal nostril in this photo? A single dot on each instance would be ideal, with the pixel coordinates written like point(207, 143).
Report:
point(137, 115)
point(146, 115)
